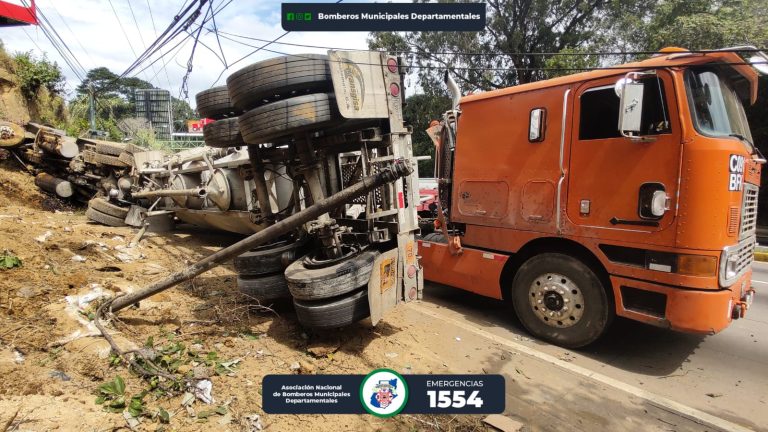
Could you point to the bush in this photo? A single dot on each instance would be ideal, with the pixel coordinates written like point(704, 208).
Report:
point(35, 73)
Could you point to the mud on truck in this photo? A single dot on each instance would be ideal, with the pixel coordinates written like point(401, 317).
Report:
point(630, 191)
point(309, 156)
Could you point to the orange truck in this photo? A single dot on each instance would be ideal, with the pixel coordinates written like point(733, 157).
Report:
point(627, 191)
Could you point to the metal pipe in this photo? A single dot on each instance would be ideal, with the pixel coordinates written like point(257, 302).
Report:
point(197, 192)
point(260, 184)
point(453, 88)
point(54, 185)
point(399, 169)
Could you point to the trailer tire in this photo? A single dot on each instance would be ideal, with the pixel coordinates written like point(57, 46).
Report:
point(266, 260)
point(214, 103)
point(111, 149)
point(263, 287)
point(103, 218)
point(279, 78)
point(332, 281)
point(560, 281)
point(334, 312)
point(223, 133)
point(288, 117)
point(103, 206)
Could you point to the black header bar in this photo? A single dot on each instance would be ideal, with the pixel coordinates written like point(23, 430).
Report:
point(383, 16)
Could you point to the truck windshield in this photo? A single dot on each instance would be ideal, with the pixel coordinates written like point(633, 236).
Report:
point(716, 108)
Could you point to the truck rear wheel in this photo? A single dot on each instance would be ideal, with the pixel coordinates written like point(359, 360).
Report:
point(223, 133)
point(268, 259)
point(288, 117)
point(214, 103)
point(278, 78)
point(263, 288)
point(560, 300)
point(335, 280)
point(334, 312)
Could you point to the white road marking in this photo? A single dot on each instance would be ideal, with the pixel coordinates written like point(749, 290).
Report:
point(760, 282)
point(659, 401)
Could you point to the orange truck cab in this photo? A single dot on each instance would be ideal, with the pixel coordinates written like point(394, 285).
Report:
point(626, 191)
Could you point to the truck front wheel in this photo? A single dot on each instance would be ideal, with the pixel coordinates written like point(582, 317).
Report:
point(561, 300)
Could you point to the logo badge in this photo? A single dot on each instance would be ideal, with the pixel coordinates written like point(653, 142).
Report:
point(384, 393)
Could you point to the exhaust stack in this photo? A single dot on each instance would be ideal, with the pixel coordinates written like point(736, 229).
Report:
point(453, 88)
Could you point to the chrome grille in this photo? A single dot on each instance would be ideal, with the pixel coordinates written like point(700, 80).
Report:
point(745, 256)
point(749, 211)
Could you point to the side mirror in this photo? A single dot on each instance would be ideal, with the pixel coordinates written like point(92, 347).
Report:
point(630, 106)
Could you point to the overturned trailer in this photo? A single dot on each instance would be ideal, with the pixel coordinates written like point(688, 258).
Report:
point(292, 133)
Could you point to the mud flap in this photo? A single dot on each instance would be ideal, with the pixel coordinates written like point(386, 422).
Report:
point(384, 286)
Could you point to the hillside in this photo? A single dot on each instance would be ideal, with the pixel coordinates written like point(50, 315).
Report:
point(36, 104)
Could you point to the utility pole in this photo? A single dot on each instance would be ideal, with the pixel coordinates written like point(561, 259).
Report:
point(91, 108)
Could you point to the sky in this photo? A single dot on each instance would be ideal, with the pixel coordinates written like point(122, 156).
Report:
point(97, 36)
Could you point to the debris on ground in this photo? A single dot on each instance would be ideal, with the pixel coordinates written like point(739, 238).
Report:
point(503, 423)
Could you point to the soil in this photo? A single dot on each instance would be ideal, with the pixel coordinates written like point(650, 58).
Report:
point(52, 358)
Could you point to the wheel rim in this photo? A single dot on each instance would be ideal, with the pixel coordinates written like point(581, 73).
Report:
point(556, 300)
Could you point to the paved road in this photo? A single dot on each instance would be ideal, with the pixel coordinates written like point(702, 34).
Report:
point(725, 375)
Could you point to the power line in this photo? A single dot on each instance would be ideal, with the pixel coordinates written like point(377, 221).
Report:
point(563, 54)
point(93, 62)
point(179, 24)
point(120, 23)
point(154, 28)
point(477, 69)
point(138, 29)
point(254, 52)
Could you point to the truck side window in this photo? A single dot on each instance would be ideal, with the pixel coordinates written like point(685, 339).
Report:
point(600, 111)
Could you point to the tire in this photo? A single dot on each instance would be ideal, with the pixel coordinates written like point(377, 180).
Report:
point(103, 206)
point(334, 312)
point(264, 287)
point(544, 278)
point(279, 78)
point(127, 158)
point(332, 281)
point(214, 103)
point(104, 219)
point(223, 133)
point(266, 260)
point(288, 117)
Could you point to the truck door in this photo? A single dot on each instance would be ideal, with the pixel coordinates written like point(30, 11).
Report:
point(612, 179)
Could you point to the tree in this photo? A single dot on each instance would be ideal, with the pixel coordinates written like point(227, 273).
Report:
point(420, 110)
point(519, 28)
point(116, 101)
point(35, 73)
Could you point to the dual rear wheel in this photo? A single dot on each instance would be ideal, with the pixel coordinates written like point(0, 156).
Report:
point(323, 297)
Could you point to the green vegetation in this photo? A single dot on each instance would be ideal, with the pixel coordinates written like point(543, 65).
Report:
point(520, 28)
point(35, 73)
point(8, 260)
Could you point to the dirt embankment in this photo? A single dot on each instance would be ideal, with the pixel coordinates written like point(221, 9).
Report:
point(52, 363)
point(44, 107)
